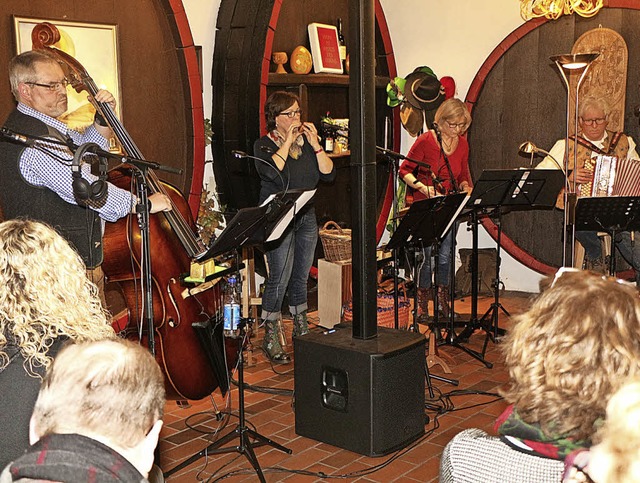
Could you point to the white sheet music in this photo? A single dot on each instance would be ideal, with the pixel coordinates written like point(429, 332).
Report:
point(455, 217)
point(302, 200)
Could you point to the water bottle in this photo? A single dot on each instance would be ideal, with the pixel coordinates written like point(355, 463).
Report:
point(231, 307)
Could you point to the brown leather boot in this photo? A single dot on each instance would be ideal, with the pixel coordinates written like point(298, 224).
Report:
point(444, 302)
point(423, 301)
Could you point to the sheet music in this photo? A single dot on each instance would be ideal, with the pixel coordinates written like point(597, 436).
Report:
point(295, 208)
point(455, 217)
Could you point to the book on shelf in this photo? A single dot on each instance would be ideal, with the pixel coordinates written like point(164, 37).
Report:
point(325, 48)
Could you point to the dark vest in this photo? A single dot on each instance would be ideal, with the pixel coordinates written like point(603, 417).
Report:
point(81, 226)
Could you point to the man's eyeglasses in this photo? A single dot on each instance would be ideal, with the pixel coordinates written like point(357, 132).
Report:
point(592, 122)
point(291, 114)
point(53, 86)
point(454, 125)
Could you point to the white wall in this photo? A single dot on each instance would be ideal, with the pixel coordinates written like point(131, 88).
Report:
point(452, 37)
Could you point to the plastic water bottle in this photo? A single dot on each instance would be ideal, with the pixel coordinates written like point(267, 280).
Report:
point(231, 307)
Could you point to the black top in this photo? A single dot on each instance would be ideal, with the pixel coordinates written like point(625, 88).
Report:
point(301, 173)
point(79, 225)
point(19, 393)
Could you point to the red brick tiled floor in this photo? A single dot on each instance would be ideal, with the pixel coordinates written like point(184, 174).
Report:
point(189, 430)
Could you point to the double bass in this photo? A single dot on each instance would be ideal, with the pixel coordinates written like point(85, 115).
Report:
point(173, 246)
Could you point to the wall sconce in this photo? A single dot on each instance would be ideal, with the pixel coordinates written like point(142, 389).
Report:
point(553, 9)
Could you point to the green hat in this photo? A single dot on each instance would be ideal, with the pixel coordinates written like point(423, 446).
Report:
point(395, 92)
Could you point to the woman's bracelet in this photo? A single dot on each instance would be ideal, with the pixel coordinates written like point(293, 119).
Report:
point(278, 154)
point(318, 151)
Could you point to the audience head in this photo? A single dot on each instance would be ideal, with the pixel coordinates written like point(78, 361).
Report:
point(571, 350)
point(617, 455)
point(276, 103)
point(111, 391)
point(44, 293)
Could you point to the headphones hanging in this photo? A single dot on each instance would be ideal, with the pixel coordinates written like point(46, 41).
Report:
point(82, 189)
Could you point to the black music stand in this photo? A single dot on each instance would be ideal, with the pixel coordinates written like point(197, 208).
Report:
point(513, 189)
point(426, 223)
point(611, 214)
point(250, 227)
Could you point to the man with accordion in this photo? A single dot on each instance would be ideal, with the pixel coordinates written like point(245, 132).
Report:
point(607, 164)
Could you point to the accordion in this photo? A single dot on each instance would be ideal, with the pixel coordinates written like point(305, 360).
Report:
point(612, 176)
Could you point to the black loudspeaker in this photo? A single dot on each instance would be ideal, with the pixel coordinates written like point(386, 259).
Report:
point(366, 396)
point(82, 189)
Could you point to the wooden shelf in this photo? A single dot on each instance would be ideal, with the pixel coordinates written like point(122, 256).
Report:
point(330, 80)
point(342, 154)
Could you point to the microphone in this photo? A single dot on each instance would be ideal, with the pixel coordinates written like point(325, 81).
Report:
point(239, 154)
point(242, 155)
point(388, 152)
point(436, 128)
point(15, 137)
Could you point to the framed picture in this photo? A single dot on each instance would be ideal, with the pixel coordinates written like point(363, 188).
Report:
point(325, 48)
point(94, 46)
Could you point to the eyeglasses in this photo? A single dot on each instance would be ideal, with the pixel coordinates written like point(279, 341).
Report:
point(53, 86)
point(592, 122)
point(291, 114)
point(453, 125)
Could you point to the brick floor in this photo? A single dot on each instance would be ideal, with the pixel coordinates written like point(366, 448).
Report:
point(189, 430)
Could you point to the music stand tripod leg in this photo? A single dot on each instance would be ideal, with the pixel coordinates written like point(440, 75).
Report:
point(427, 374)
point(452, 338)
point(241, 431)
point(493, 331)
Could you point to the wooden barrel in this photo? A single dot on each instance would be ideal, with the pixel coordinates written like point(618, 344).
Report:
point(518, 95)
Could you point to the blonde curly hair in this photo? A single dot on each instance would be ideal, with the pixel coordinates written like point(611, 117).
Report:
point(571, 351)
point(615, 457)
point(44, 294)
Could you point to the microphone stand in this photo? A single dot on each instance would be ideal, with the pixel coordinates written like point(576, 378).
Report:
point(143, 209)
point(395, 159)
point(452, 179)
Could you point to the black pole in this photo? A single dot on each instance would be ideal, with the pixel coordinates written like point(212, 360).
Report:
point(362, 126)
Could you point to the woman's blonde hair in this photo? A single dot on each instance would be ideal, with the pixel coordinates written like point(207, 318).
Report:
point(451, 110)
point(616, 456)
point(571, 351)
point(44, 293)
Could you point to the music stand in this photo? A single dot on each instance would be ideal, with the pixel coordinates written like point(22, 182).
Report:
point(513, 189)
point(426, 223)
point(250, 227)
point(611, 214)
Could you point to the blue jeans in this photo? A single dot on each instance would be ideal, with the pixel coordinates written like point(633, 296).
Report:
point(290, 259)
point(630, 250)
point(425, 278)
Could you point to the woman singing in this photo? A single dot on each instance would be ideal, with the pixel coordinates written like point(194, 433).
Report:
point(292, 159)
point(444, 142)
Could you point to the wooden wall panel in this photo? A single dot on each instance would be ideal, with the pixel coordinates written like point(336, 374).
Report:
point(156, 99)
point(523, 98)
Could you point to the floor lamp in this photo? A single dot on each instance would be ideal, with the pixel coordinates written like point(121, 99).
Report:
point(571, 63)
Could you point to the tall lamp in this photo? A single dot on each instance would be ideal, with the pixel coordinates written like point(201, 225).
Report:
point(571, 63)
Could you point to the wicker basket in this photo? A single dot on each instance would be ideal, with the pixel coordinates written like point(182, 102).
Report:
point(386, 312)
point(336, 242)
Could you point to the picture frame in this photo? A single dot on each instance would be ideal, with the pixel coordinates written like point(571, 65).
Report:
point(93, 45)
point(325, 48)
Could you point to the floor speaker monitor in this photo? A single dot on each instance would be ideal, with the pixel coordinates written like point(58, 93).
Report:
point(366, 396)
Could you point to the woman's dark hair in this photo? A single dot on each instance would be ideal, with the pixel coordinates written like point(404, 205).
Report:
point(276, 103)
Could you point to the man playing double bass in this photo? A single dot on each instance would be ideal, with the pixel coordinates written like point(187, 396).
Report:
point(37, 180)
